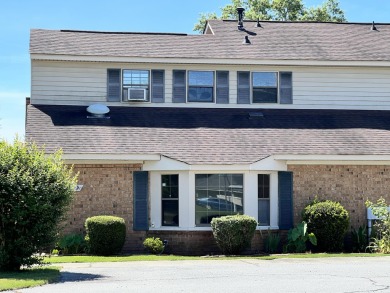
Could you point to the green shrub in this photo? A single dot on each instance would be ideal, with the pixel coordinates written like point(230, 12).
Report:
point(233, 233)
point(272, 242)
point(381, 241)
point(35, 191)
point(72, 244)
point(359, 239)
point(329, 221)
point(297, 238)
point(105, 234)
point(154, 245)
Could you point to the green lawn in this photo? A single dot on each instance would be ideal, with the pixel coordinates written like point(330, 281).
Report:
point(28, 278)
point(85, 259)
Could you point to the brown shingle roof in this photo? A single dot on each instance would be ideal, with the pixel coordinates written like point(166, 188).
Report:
point(273, 41)
point(210, 136)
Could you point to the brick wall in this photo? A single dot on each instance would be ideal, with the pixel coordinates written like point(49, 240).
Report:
point(107, 190)
point(350, 185)
point(203, 242)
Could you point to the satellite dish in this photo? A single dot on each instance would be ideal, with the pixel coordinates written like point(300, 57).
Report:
point(98, 110)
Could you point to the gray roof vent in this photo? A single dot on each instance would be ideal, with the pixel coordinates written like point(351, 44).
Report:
point(98, 111)
point(240, 12)
point(256, 115)
point(373, 27)
point(246, 41)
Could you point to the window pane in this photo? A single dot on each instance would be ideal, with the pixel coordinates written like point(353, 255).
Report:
point(169, 186)
point(265, 79)
point(170, 212)
point(263, 185)
point(200, 94)
point(264, 212)
point(136, 78)
point(265, 95)
point(201, 78)
point(216, 195)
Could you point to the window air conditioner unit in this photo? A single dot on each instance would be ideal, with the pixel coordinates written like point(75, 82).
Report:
point(137, 94)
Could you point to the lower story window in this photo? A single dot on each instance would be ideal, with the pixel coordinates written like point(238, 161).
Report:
point(263, 195)
point(217, 195)
point(170, 200)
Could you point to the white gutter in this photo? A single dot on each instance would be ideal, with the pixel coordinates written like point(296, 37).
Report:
point(221, 61)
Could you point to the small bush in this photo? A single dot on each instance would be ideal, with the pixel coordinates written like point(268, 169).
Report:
point(233, 233)
point(105, 234)
point(359, 239)
point(272, 243)
point(381, 241)
point(72, 244)
point(298, 237)
point(154, 245)
point(329, 221)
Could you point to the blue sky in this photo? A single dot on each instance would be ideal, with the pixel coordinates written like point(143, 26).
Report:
point(17, 17)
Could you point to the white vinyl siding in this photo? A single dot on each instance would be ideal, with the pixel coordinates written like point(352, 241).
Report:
point(83, 83)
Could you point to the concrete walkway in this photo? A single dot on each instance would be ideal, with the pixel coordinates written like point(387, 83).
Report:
point(247, 275)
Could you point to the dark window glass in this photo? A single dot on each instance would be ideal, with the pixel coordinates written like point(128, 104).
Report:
point(263, 194)
point(170, 200)
point(200, 86)
point(265, 87)
point(217, 195)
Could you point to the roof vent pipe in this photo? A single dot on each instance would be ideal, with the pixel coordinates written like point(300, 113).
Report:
point(373, 27)
point(240, 12)
point(246, 41)
point(258, 24)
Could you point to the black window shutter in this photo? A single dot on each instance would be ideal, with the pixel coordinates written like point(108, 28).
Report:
point(113, 85)
point(285, 91)
point(222, 87)
point(286, 220)
point(243, 87)
point(179, 86)
point(140, 198)
point(157, 86)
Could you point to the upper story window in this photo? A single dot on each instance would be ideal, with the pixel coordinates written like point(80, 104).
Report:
point(135, 85)
point(201, 86)
point(264, 87)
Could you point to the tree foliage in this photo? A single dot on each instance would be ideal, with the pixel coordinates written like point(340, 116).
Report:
point(35, 191)
point(283, 10)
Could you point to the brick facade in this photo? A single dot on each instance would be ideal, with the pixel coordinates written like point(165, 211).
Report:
point(107, 190)
point(349, 185)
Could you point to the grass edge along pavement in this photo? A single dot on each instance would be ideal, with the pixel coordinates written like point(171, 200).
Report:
point(26, 278)
point(143, 257)
point(48, 274)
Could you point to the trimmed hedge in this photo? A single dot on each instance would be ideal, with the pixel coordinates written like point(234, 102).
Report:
point(105, 234)
point(233, 233)
point(329, 221)
point(154, 245)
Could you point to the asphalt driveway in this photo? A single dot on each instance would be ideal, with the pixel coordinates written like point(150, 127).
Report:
point(246, 275)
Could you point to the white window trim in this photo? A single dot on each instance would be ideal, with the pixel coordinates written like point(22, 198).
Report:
point(149, 101)
point(214, 87)
point(277, 85)
point(187, 198)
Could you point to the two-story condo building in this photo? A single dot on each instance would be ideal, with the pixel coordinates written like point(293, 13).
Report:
point(258, 119)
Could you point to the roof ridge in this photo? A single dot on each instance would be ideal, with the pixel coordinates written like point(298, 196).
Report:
point(122, 33)
point(302, 21)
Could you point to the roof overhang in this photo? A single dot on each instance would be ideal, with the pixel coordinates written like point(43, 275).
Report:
point(221, 61)
point(334, 159)
point(109, 158)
